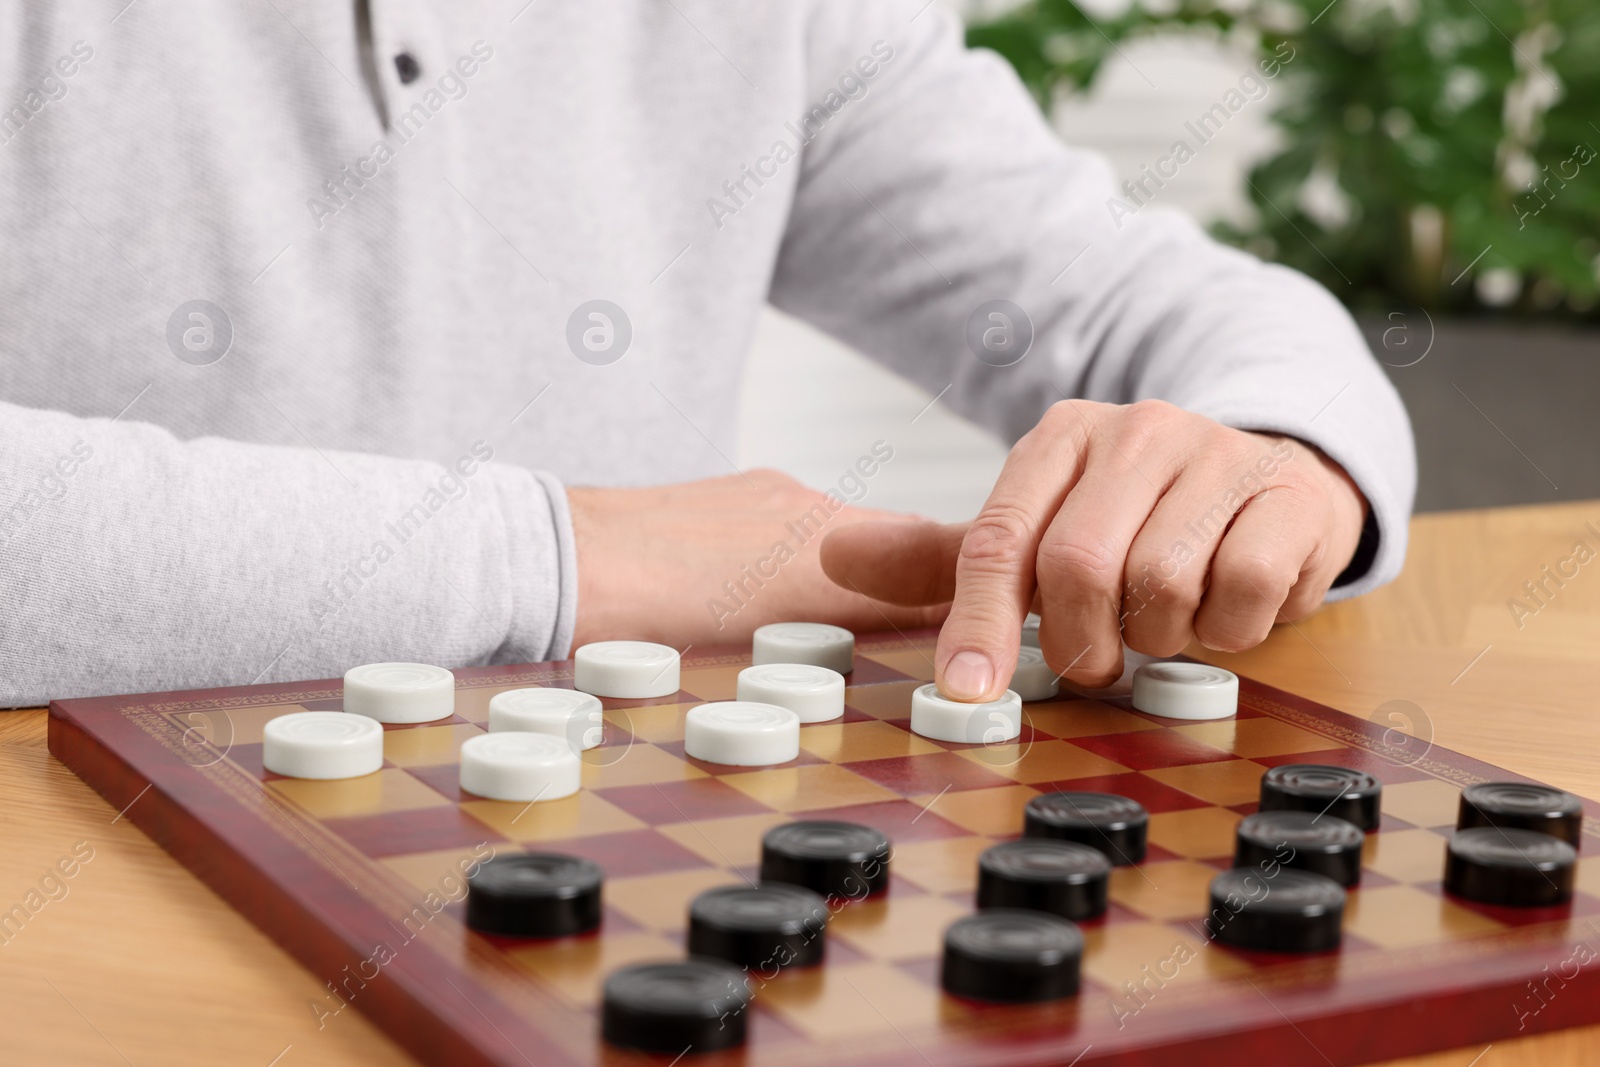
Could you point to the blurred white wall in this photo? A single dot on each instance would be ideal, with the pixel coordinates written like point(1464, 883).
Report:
point(811, 406)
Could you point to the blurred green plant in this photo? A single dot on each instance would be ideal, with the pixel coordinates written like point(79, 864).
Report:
point(1441, 152)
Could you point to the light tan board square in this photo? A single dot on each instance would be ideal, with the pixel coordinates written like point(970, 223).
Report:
point(1084, 718)
point(584, 814)
point(1120, 952)
point(848, 742)
point(943, 865)
point(575, 967)
point(1425, 803)
point(1589, 875)
point(473, 704)
point(731, 842)
point(658, 723)
point(1255, 737)
point(821, 785)
point(1400, 915)
point(661, 901)
point(390, 789)
point(1405, 855)
point(439, 872)
point(426, 746)
point(1224, 782)
point(855, 1000)
point(1042, 761)
point(994, 812)
point(1197, 833)
point(897, 928)
point(892, 700)
point(636, 764)
point(1177, 889)
point(711, 683)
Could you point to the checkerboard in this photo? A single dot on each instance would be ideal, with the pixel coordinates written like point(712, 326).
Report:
point(361, 879)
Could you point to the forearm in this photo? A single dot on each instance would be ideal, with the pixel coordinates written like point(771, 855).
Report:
point(132, 561)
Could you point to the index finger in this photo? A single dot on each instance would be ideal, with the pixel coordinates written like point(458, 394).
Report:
point(995, 568)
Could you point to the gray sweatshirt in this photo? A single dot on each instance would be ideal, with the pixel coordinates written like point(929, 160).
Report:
point(298, 341)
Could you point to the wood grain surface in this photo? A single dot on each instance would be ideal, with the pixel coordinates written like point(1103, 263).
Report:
point(133, 961)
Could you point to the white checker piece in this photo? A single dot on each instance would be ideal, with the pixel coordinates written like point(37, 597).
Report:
point(519, 766)
point(400, 692)
point(973, 724)
point(815, 643)
point(322, 744)
point(741, 733)
point(815, 694)
point(564, 713)
point(1186, 691)
point(633, 670)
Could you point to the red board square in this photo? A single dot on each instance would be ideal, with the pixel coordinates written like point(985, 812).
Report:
point(871, 672)
point(925, 970)
point(669, 802)
point(1145, 750)
point(1155, 796)
point(1579, 907)
point(900, 820)
point(934, 772)
point(419, 830)
point(443, 778)
point(634, 852)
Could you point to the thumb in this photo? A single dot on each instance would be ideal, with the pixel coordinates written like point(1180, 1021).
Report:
point(907, 563)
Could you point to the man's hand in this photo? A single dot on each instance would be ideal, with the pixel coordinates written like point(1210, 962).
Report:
point(1142, 524)
point(709, 561)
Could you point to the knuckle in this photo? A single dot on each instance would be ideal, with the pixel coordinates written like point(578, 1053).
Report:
point(1000, 535)
point(1163, 642)
point(1232, 633)
point(1061, 414)
point(1252, 576)
point(1080, 564)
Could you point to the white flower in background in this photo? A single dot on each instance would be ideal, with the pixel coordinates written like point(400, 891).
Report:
point(1323, 200)
point(1535, 89)
point(1398, 123)
point(1498, 286)
point(1462, 86)
point(1278, 16)
point(1519, 170)
point(1445, 37)
point(1358, 12)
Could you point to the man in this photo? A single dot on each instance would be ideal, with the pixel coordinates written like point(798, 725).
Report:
point(316, 318)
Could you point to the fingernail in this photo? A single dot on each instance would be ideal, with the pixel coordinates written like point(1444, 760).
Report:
point(968, 675)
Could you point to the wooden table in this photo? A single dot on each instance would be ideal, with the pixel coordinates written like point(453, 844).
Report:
point(138, 963)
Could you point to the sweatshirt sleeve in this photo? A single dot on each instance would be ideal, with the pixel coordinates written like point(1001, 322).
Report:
point(132, 561)
point(932, 185)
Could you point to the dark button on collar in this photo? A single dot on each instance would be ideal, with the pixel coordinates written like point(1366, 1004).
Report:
point(406, 65)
